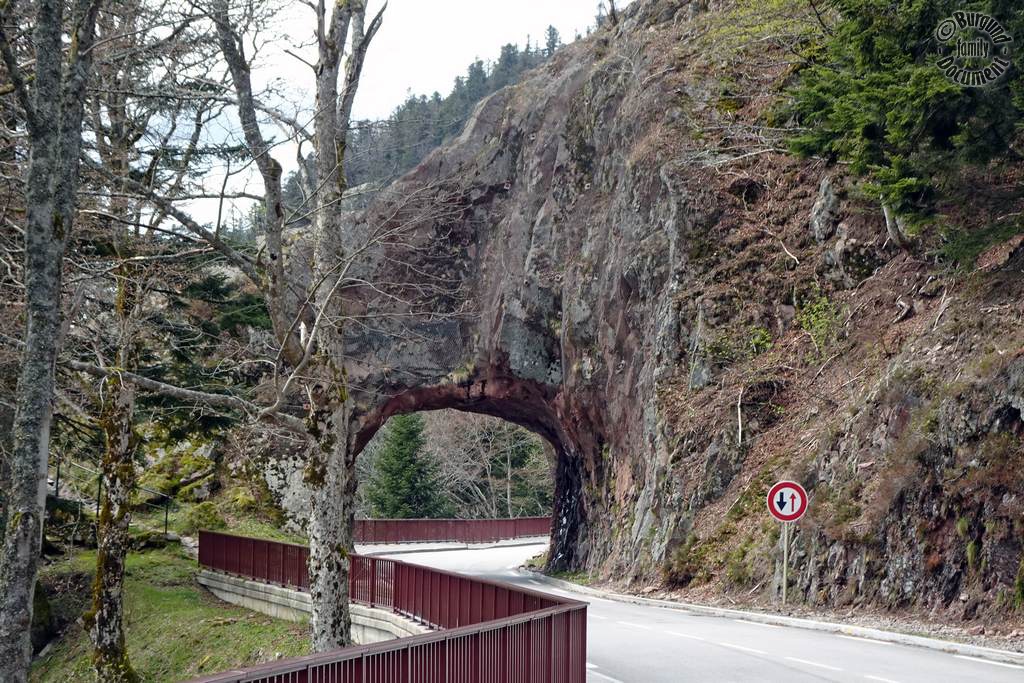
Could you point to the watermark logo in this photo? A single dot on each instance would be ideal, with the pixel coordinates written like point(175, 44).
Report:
point(975, 49)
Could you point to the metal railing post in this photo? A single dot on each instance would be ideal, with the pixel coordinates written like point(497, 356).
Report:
point(372, 575)
point(167, 510)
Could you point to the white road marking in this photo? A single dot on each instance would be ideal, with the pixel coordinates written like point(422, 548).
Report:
point(629, 623)
point(756, 623)
point(597, 616)
point(745, 649)
point(591, 665)
point(602, 676)
point(988, 661)
point(880, 679)
point(810, 663)
point(686, 635)
point(867, 640)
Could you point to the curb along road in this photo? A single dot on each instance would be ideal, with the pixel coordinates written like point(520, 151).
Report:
point(992, 654)
point(430, 547)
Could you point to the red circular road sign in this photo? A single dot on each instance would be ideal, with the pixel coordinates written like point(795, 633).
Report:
point(787, 501)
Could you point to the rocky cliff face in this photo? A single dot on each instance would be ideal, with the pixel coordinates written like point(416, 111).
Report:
point(617, 254)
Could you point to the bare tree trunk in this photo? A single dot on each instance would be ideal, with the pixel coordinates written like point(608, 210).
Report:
point(894, 226)
point(54, 118)
point(330, 475)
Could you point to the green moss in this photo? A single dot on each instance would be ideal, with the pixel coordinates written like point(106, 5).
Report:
point(581, 578)
point(42, 618)
point(738, 569)
point(693, 561)
point(723, 349)
point(203, 516)
point(973, 548)
point(963, 525)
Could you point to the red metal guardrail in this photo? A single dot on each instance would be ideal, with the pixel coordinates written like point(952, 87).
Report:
point(487, 632)
point(459, 530)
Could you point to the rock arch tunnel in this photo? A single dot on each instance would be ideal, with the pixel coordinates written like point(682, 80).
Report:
point(523, 403)
point(526, 271)
point(463, 308)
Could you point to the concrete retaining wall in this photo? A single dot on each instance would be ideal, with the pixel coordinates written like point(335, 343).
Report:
point(369, 625)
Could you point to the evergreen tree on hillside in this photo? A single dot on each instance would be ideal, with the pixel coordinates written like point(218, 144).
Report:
point(552, 41)
point(873, 96)
point(404, 484)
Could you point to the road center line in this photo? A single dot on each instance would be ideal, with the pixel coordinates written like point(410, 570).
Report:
point(686, 635)
point(755, 623)
point(866, 640)
point(988, 661)
point(879, 679)
point(597, 616)
point(745, 649)
point(810, 663)
point(629, 623)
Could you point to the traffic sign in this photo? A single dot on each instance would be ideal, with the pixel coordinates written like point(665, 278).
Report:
point(787, 501)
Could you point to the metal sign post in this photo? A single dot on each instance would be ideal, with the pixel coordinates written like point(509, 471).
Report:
point(785, 561)
point(787, 502)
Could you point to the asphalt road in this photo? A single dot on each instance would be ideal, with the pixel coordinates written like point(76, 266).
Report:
point(637, 644)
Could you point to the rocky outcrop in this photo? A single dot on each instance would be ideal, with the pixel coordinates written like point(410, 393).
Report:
point(616, 255)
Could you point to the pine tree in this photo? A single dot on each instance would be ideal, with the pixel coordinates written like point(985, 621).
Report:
point(404, 483)
point(553, 41)
point(507, 68)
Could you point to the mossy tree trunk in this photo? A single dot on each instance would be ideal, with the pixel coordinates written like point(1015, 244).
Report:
point(105, 621)
point(52, 103)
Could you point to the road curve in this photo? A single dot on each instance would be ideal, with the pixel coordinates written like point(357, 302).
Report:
point(638, 644)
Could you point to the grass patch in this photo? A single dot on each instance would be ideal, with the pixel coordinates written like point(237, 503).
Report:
point(820, 317)
point(175, 630)
point(582, 578)
point(537, 562)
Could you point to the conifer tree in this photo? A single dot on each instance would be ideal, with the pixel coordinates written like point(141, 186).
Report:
point(873, 96)
point(552, 41)
point(404, 483)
